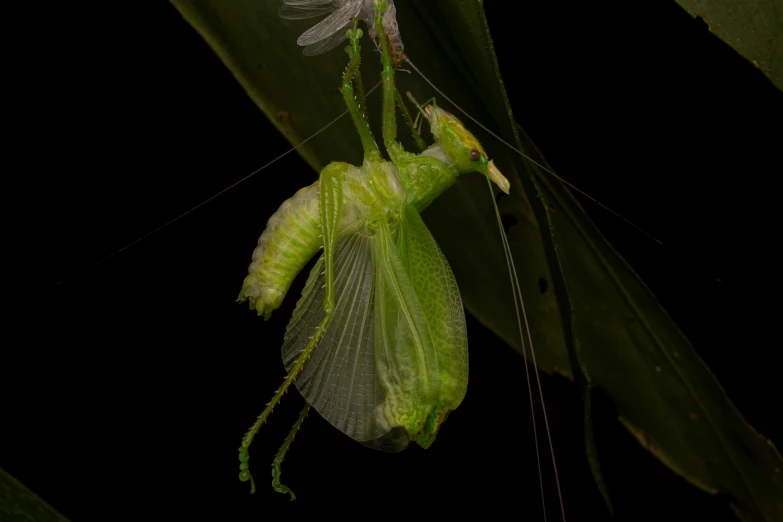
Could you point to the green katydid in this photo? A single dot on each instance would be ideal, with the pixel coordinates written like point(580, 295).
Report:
point(377, 343)
point(288, 440)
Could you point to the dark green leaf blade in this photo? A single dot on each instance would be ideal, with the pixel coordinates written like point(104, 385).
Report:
point(753, 28)
point(17, 503)
point(627, 345)
point(633, 336)
point(260, 51)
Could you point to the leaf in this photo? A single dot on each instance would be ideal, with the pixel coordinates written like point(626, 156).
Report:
point(753, 28)
point(592, 318)
point(628, 346)
point(20, 504)
point(260, 50)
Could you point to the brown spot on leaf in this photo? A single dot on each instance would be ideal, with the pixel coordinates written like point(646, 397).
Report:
point(284, 117)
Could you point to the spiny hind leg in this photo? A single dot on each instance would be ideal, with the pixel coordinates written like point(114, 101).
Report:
point(276, 484)
point(330, 198)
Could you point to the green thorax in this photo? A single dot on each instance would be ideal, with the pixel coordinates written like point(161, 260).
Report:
point(423, 176)
point(415, 179)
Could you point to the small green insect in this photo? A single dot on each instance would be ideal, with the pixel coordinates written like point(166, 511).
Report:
point(377, 343)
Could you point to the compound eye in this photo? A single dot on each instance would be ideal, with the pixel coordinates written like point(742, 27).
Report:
point(474, 154)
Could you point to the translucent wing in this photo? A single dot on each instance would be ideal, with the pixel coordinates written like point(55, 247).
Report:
point(330, 32)
point(339, 379)
point(396, 349)
point(303, 9)
point(327, 44)
point(336, 22)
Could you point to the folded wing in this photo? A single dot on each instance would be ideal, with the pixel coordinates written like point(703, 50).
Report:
point(395, 351)
point(339, 380)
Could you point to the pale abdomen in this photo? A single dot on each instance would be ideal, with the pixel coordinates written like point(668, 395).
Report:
point(290, 239)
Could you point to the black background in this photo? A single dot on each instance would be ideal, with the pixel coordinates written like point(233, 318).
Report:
point(129, 392)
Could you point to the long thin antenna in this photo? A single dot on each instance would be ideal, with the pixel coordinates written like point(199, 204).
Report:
point(148, 234)
point(515, 284)
point(519, 304)
point(551, 173)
